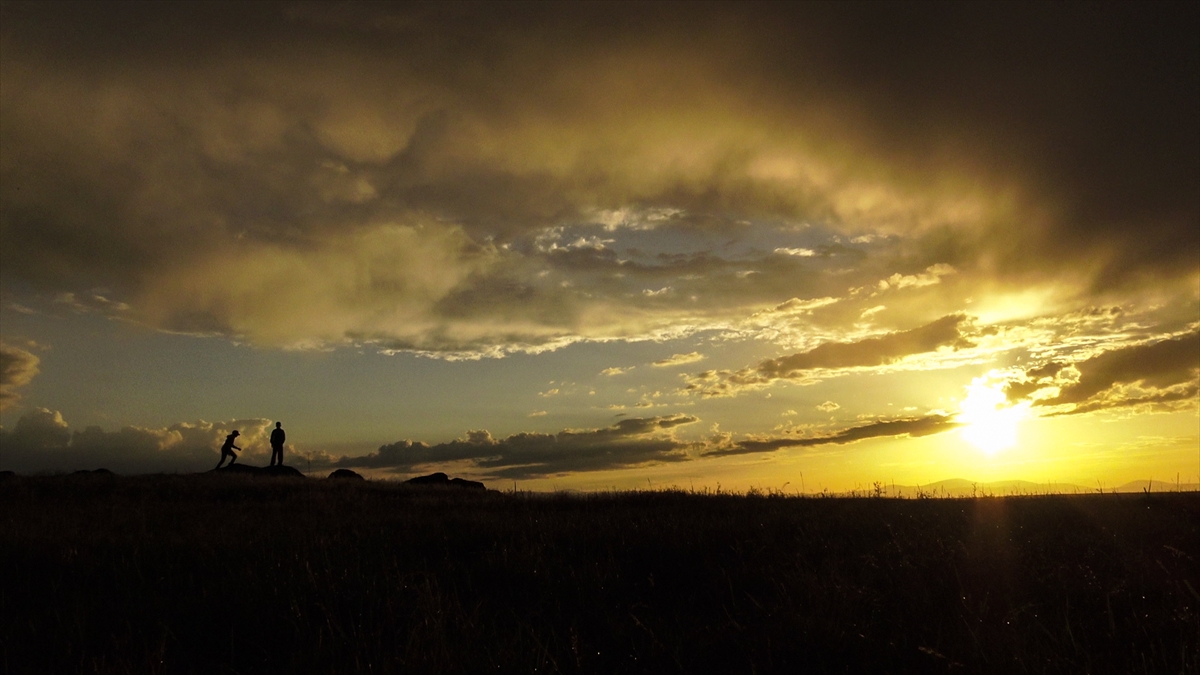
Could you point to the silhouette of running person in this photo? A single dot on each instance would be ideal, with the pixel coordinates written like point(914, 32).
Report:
point(227, 450)
point(277, 438)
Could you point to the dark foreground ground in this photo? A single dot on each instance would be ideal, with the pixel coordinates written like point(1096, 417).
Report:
point(237, 574)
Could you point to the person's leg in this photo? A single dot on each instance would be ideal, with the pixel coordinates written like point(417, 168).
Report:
point(281, 455)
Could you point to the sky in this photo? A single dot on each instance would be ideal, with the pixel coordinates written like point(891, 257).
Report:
point(792, 246)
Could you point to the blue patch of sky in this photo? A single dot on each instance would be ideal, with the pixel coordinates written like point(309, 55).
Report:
point(108, 373)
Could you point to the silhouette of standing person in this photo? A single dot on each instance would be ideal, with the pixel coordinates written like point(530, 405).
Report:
point(227, 450)
point(277, 438)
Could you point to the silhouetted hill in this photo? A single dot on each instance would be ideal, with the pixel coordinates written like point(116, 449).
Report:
point(346, 474)
point(1156, 486)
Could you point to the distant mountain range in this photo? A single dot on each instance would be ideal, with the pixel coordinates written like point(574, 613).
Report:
point(958, 487)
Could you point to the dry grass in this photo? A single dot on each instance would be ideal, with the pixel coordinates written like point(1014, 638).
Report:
point(207, 574)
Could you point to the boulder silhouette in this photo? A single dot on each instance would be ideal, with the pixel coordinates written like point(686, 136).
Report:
point(442, 479)
point(347, 474)
point(438, 478)
point(247, 470)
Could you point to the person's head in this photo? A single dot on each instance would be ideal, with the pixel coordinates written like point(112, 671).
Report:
point(235, 433)
point(278, 424)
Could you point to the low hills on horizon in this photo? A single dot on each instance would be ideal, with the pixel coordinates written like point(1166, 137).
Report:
point(960, 487)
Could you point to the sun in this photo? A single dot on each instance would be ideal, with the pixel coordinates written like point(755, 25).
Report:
point(991, 422)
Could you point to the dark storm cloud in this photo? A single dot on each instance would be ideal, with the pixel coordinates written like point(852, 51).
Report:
point(17, 368)
point(199, 159)
point(913, 427)
point(868, 352)
point(629, 442)
point(1166, 371)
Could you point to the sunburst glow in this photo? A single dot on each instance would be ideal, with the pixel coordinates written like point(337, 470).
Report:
point(991, 423)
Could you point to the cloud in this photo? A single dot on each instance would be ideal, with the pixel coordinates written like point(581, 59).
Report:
point(1179, 397)
point(912, 427)
point(306, 175)
point(679, 360)
point(874, 351)
point(40, 428)
point(17, 369)
point(91, 302)
point(41, 441)
point(614, 371)
point(1158, 364)
point(828, 406)
point(868, 352)
point(932, 275)
point(629, 442)
point(1161, 372)
point(373, 283)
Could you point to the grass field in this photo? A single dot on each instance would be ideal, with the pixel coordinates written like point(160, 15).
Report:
point(235, 574)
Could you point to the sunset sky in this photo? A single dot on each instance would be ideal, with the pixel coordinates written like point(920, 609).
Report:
point(587, 246)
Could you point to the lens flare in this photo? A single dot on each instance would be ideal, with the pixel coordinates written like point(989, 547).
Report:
point(990, 422)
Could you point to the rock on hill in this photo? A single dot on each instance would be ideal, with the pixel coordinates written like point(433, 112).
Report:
point(247, 470)
point(442, 479)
